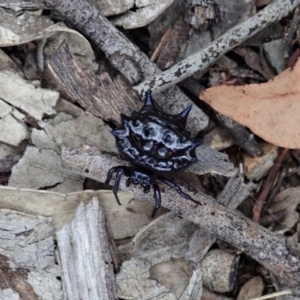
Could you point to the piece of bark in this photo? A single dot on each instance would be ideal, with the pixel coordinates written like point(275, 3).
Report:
point(168, 237)
point(256, 62)
point(288, 42)
point(218, 139)
point(12, 130)
point(219, 269)
point(177, 38)
point(22, 29)
point(24, 96)
point(207, 56)
point(64, 130)
point(27, 260)
point(258, 167)
point(194, 289)
point(134, 282)
point(113, 7)
point(226, 224)
point(200, 14)
point(42, 169)
point(178, 276)
point(18, 5)
point(287, 202)
point(99, 95)
point(242, 136)
point(143, 14)
point(85, 256)
point(208, 295)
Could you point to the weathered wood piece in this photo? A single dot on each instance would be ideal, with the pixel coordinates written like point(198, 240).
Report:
point(242, 135)
point(27, 257)
point(98, 94)
point(226, 224)
point(85, 256)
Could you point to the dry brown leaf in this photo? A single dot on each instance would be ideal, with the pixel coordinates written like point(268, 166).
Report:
point(271, 110)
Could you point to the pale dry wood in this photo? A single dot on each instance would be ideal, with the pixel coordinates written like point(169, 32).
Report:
point(113, 7)
point(17, 5)
point(143, 15)
point(25, 96)
point(165, 238)
point(42, 169)
point(220, 221)
point(194, 289)
point(22, 29)
point(85, 256)
point(12, 131)
point(134, 282)
point(219, 268)
point(72, 129)
point(28, 264)
point(275, 11)
point(178, 276)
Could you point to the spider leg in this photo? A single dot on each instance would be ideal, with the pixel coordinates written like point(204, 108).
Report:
point(119, 175)
point(110, 174)
point(177, 188)
point(120, 170)
point(157, 198)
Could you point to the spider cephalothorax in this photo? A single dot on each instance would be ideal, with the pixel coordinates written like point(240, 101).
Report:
point(158, 146)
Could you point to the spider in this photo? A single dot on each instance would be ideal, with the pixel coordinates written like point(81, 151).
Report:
point(158, 147)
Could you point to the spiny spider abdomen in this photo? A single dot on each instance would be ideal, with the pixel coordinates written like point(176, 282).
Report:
point(158, 146)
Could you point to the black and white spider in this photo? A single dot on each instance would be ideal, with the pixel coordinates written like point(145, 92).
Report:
point(158, 147)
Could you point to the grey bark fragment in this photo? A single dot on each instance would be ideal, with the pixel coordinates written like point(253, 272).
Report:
point(85, 256)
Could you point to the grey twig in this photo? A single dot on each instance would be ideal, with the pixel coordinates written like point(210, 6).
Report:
point(275, 11)
point(226, 224)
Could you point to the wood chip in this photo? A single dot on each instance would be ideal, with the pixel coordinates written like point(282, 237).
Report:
point(85, 256)
point(20, 94)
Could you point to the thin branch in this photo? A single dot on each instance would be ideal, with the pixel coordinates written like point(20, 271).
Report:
point(226, 224)
point(268, 184)
point(275, 11)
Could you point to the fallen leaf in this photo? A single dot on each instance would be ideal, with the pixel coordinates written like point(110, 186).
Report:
point(271, 110)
